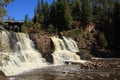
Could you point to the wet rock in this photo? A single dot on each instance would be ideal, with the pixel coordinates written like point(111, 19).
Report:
point(2, 76)
point(84, 55)
point(44, 45)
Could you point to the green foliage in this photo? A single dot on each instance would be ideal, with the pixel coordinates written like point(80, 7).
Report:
point(60, 21)
point(38, 10)
point(86, 12)
point(61, 14)
point(103, 40)
point(67, 15)
point(76, 10)
point(26, 21)
point(2, 13)
point(88, 35)
point(2, 9)
point(76, 32)
point(37, 26)
point(45, 13)
point(24, 28)
point(51, 29)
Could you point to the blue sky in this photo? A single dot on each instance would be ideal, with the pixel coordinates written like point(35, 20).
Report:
point(19, 8)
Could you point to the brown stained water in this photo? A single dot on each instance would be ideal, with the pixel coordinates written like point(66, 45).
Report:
point(103, 69)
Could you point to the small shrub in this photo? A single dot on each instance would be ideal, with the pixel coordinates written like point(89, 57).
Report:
point(23, 28)
point(103, 40)
point(88, 35)
point(76, 32)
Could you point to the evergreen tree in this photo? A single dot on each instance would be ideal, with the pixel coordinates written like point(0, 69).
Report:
point(59, 15)
point(76, 10)
point(35, 11)
point(53, 12)
point(24, 28)
point(67, 15)
point(42, 4)
point(37, 26)
point(25, 24)
point(103, 40)
point(26, 21)
point(45, 13)
point(86, 12)
point(103, 10)
point(37, 21)
point(38, 7)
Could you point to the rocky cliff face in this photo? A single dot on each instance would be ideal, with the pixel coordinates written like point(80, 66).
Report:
point(44, 45)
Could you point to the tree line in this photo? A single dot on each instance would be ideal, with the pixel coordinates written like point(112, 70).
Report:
point(61, 14)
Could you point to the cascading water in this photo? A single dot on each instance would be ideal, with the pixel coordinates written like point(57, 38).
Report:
point(63, 53)
point(18, 53)
point(71, 44)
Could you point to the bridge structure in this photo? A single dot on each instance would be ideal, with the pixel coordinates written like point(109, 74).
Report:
point(11, 25)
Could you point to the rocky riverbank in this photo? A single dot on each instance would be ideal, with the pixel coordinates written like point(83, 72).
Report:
point(96, 69)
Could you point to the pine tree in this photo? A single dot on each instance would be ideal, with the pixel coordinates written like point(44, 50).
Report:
point(103, 40)
point(76, 10)
point(59, 15)
point(38, 7)
point(24, 28)
point(67, 15)
point(102, 10)
point(26, 21)
point(86, 12)
point(35, 11)
point(74, 3)
point(53, 12)
point(45, 12)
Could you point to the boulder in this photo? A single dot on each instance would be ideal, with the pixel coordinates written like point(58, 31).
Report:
point(84, 55)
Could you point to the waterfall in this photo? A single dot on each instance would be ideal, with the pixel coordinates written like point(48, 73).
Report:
point(17, 53)
point(64, 53)
point(71, 44)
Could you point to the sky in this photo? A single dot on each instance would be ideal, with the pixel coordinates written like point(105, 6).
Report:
point(19, 8)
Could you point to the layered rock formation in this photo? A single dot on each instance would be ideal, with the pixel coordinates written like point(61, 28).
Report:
point(44, 45)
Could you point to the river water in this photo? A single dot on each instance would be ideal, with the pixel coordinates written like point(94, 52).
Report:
point(104, 69)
